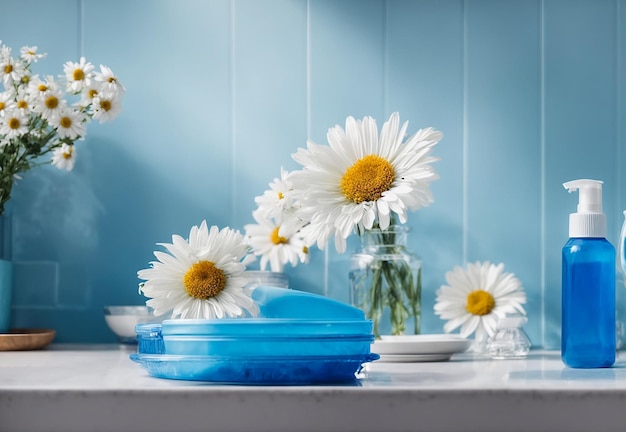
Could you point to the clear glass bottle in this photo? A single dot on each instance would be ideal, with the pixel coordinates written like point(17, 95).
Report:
point(510, 341)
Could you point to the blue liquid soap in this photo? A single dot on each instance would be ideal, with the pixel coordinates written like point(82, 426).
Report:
point(588, 333)
point(588, 284)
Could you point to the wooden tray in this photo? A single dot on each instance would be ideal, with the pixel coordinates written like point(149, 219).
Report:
point(25, 339)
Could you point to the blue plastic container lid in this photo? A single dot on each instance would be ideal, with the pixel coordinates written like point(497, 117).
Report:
point(283, 313)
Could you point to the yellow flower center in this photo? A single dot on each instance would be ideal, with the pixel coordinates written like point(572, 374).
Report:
point(305, 249)
point(68, 154)
point(25, 79)
point(78, 75)
point(42, 87)
point(280, 195)
point(367, 179)
point(65, 122)
point(14, 123)
point(92, 93)
point(2, 106)
point(112, 79)
point(276, 239)
point(52, 102)
point(8, 69)
point(480, 302)
point(105, 104)
point(203, 280)
point(22, 104)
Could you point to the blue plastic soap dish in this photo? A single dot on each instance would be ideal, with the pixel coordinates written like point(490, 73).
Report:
point(300, 338)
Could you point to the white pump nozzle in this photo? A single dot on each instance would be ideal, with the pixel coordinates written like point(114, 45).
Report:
point(589, 221)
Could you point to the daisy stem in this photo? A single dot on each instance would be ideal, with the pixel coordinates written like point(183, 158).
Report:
point(23, 153)
point(389, 283)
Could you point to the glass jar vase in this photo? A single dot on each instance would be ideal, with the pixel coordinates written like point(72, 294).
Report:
point(386, 281)
point(266, 278)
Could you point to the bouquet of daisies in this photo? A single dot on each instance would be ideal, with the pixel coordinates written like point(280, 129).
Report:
point(47, 114)
point(278, 234)
point(361, 182)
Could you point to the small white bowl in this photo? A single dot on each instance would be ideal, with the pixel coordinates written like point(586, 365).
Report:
point(123, 319)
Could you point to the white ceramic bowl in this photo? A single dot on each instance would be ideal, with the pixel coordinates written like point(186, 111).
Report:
point(123, 319)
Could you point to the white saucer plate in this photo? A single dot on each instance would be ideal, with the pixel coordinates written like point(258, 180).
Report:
point(413, 358)
point(428, 345)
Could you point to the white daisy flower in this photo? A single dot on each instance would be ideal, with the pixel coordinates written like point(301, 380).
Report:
point(21, 100)
point(106, 106)
point(49, 104)
point(361, 178)
point(200, 278)
point(37, 87)
point(13, 124)
point(278, 199)
point(89, 93)
point(277, 245)
point(7, 102)
point(477, 297)
point(108, 81)
point(29, 54)
point(78, 74)
point(64, 157)
point(25, 80)
point(11, 71)
point(69, 123)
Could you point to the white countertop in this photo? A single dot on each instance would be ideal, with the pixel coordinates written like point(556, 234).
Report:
point(98, 388)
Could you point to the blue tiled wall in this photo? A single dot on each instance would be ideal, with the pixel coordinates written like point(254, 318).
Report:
point(528, 93)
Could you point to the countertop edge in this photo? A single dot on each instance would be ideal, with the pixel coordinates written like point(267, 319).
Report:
point(244, 409)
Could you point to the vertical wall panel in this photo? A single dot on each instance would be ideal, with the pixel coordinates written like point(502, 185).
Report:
point(177, 115)
point(620, 197)
point(424, 83)
point(620, 118)
point(580, 103)
point(346, 79)
point(620, 151)
point(269, 95)
point(504, 142)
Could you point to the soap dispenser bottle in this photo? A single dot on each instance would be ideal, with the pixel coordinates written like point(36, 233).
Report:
point(588, 283)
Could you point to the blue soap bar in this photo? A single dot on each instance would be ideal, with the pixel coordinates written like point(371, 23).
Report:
point(286, 303)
